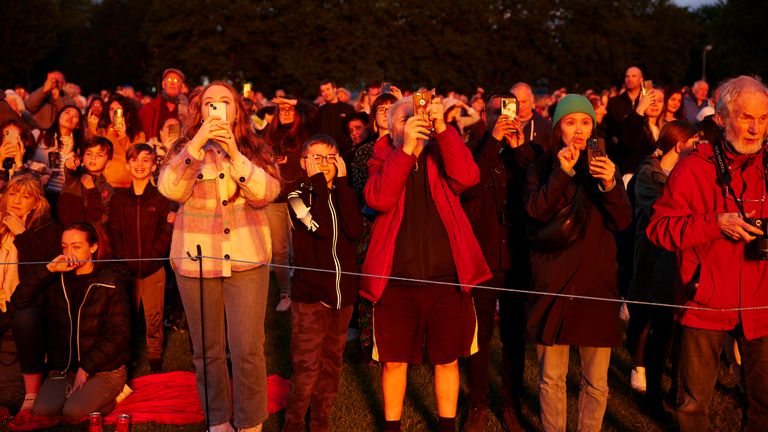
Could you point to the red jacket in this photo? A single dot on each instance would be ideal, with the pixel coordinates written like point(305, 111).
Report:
point(684, 220)
point(449, 176)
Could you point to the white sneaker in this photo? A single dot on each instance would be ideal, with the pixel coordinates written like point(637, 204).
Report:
point(637, 379)
point(284, 304)
point(222, 427)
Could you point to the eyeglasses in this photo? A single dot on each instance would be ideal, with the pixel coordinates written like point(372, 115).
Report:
point(171, 79)
point(327, 159)
point(287, 109)
point(382, 110)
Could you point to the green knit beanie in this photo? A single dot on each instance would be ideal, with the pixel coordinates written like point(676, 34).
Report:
point(573, 103)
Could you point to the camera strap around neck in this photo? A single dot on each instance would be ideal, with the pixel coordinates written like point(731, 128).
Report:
point(724, 174)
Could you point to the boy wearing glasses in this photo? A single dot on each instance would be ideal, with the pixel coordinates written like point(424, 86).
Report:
point(327, 222)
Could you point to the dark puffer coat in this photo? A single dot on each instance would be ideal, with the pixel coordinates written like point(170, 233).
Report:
point(101, 322)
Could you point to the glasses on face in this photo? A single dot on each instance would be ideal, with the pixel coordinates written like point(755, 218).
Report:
point(288, 109)
point(382, 110)
point(172, 79)
point(327, 159)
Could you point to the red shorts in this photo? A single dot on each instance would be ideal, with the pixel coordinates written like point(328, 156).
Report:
point(408, 317)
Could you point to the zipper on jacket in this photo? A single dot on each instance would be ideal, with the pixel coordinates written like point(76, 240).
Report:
point(71, 329)
point(79, 311)
point(333, 251)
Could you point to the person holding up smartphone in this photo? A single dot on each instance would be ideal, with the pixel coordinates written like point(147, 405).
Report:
point(122, 127)
point(421, 236)
point(286, 135)
point(223, 176)
point(563, 185)
point(48, 100)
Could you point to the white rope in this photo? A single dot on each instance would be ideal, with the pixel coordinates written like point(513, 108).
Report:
point(424, 281)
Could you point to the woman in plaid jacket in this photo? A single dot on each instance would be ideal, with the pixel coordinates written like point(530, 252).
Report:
point(223, 176)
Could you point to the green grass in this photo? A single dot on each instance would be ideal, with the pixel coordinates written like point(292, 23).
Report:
point(358, 406)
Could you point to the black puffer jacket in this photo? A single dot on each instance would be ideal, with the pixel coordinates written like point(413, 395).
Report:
point(101, 322)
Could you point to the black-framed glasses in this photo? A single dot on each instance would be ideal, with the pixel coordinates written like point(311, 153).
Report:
point(329, 159)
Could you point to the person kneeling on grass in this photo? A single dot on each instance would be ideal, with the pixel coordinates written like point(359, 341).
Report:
point(325, 214)
point(88, 325)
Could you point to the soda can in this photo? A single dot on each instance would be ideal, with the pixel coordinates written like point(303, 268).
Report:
point(123, 423)
point(95, 422)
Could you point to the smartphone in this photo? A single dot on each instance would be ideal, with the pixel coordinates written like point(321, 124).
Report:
point(421, 99)
point(11, 136)
point(595, 148)
point(647, 86)
point(246, 89)
point(119, 119)
point(174, 131)
point(8, 163)
point(509, 107)
point(386, 87)
point(218, 109)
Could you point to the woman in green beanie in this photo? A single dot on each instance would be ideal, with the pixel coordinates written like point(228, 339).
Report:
point(576, 201)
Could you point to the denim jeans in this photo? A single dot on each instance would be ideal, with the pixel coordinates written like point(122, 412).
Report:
point(239, 301)
point(699, 363)
point(593, 395)
point(280, 233)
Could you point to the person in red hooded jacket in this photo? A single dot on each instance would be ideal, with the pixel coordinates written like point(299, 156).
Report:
point(721, 255)
point(423, 241)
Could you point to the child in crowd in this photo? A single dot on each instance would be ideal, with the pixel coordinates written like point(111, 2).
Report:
point(86, 193)
point(139, 228)
point(326, 217)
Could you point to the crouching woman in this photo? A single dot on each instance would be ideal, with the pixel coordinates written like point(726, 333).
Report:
point(88, 325)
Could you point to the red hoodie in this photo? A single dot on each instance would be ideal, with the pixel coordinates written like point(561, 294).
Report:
point(449, 176)
point(684, 220)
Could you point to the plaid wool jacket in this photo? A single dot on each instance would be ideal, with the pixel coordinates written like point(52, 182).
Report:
point(221, 210)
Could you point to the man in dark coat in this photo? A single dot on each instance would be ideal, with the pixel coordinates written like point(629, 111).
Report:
point(495, 209)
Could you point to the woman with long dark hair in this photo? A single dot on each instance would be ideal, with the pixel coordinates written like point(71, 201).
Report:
point(286, 135)
point(673, 108)
point(649, 333)
point(121, 126)
point(576, 201)
point(87, 325)
point(223, 176)
point(63, 140)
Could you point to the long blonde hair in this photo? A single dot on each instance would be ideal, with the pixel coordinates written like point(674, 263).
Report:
point(25, 183)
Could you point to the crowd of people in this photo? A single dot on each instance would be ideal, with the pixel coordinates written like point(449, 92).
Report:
point(429, 212)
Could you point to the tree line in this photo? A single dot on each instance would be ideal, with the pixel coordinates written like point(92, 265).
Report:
point(448, 44)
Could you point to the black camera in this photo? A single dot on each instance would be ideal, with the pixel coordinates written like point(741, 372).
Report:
point(8, 163)
point(758, 248)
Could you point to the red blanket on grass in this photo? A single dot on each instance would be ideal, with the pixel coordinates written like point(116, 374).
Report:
point(169, 398)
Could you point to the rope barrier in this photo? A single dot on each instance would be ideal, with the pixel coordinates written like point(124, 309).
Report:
point(424, 281)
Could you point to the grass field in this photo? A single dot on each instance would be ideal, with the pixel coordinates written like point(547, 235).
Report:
point(358, 406)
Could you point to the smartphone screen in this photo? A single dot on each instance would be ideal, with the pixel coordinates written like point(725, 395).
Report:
point(246, 89)
point(218, 109)
point(509, 107)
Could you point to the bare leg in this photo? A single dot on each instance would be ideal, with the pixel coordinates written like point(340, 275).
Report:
point(394, 377)
point(447, 388)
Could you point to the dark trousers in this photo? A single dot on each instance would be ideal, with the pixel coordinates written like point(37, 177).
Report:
point(649, 340)
point(699, 364)
point(318, 337)
point(512, 333)
point(30, 336)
